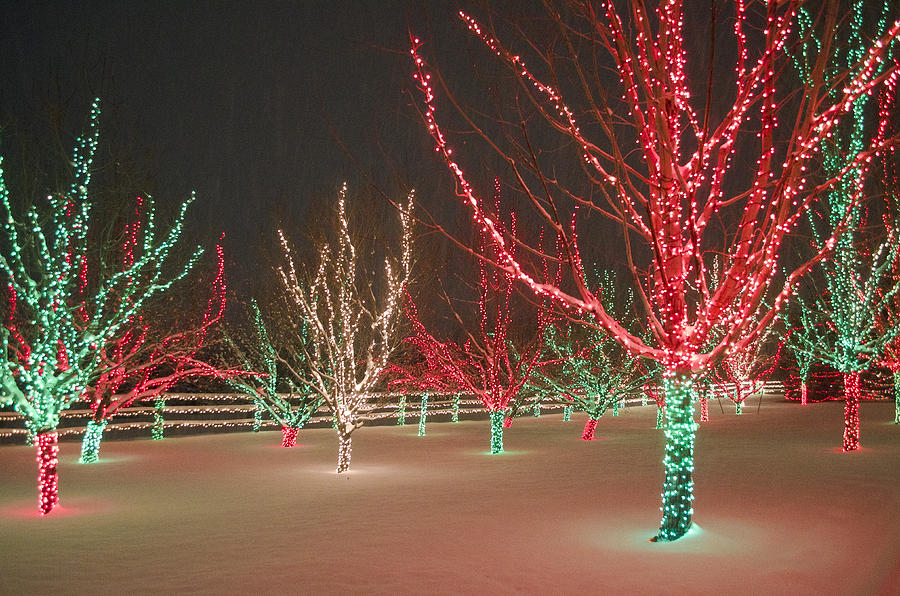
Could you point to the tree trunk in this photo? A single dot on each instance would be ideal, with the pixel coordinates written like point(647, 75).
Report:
point(289, 436)
point(803, 394)
point(588, 433)
point(704, 409)
point(536, 409)
point(158, 423)
point(454, 415)
point(739, 407)
point(660, 414)
point(257, 418)
point(423, 413)
point(401, 411)
point(616, 408)
point(47, 444)
point(897, 397)
point(343, 452)
point(498, 418)
point(567, 413)
point(678, 489)
point(90, 443)
point(851, 411)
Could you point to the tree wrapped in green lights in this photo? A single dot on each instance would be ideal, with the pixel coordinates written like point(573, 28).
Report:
point(858, 279)
point(803, 334)
point(352, 331)
point(658, 161)
point(272, 390)
point(58, 315)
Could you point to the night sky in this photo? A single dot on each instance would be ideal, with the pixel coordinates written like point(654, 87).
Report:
point(248, 103)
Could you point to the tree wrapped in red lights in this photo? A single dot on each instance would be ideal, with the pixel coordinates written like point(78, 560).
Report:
point(261, 351)
point(747, 370)
point(494, 363)
point(352, 331)
point(659, 161)
point(147, 357)
point(59, 316)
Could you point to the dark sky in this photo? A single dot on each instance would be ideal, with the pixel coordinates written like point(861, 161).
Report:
point(240, 101)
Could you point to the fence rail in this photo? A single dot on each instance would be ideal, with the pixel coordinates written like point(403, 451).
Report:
point(195, 413)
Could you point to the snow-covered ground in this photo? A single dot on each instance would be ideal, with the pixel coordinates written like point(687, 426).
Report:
point(779, 510)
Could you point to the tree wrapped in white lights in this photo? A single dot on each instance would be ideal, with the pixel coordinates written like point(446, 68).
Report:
point(659, 160)
point(57, 315)
point(352, 332)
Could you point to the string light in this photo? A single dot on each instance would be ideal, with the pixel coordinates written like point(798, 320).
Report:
point(401, 411)
point(567, 413)
point(90, 445)
point(678, 488)
point(157, 432)
point(47, 459)
point(423, 412)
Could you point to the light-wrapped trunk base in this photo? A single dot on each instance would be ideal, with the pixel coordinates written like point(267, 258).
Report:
point(498, 418)
point(158, 430)
point(704, 409)
point(343, 453)
point(454, 413)
point(90, 443)
point(289, 436)
point(47, 445)
point(567, 413)
point(678, 488)
point(803, 394)
point(851, 411)
point(401, 411)
point(589, 427)
point(423, 414)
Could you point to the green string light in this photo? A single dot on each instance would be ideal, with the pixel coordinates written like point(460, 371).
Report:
point(401, 411)
point(90, 446)
point(423, 413)
point(567, 413)
point(157, 431)
point(497, 417)
point(454, 412)
point(678, 488)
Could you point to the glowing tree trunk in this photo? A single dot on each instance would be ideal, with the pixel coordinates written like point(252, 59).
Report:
point(454, 413)
point(589, 427)
point(423, 412)
point(678, 488)
point(896, 376)
point(352, 329)
point(90, 444)
point(401, 411)
point(62, 308)
point(665, 166)
point(567, 413)
point(660, 416)
point(704, 409)
point(47, 444)
point(497, 425)
point(289, 436)
point(851, 411)
point(157, 432)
